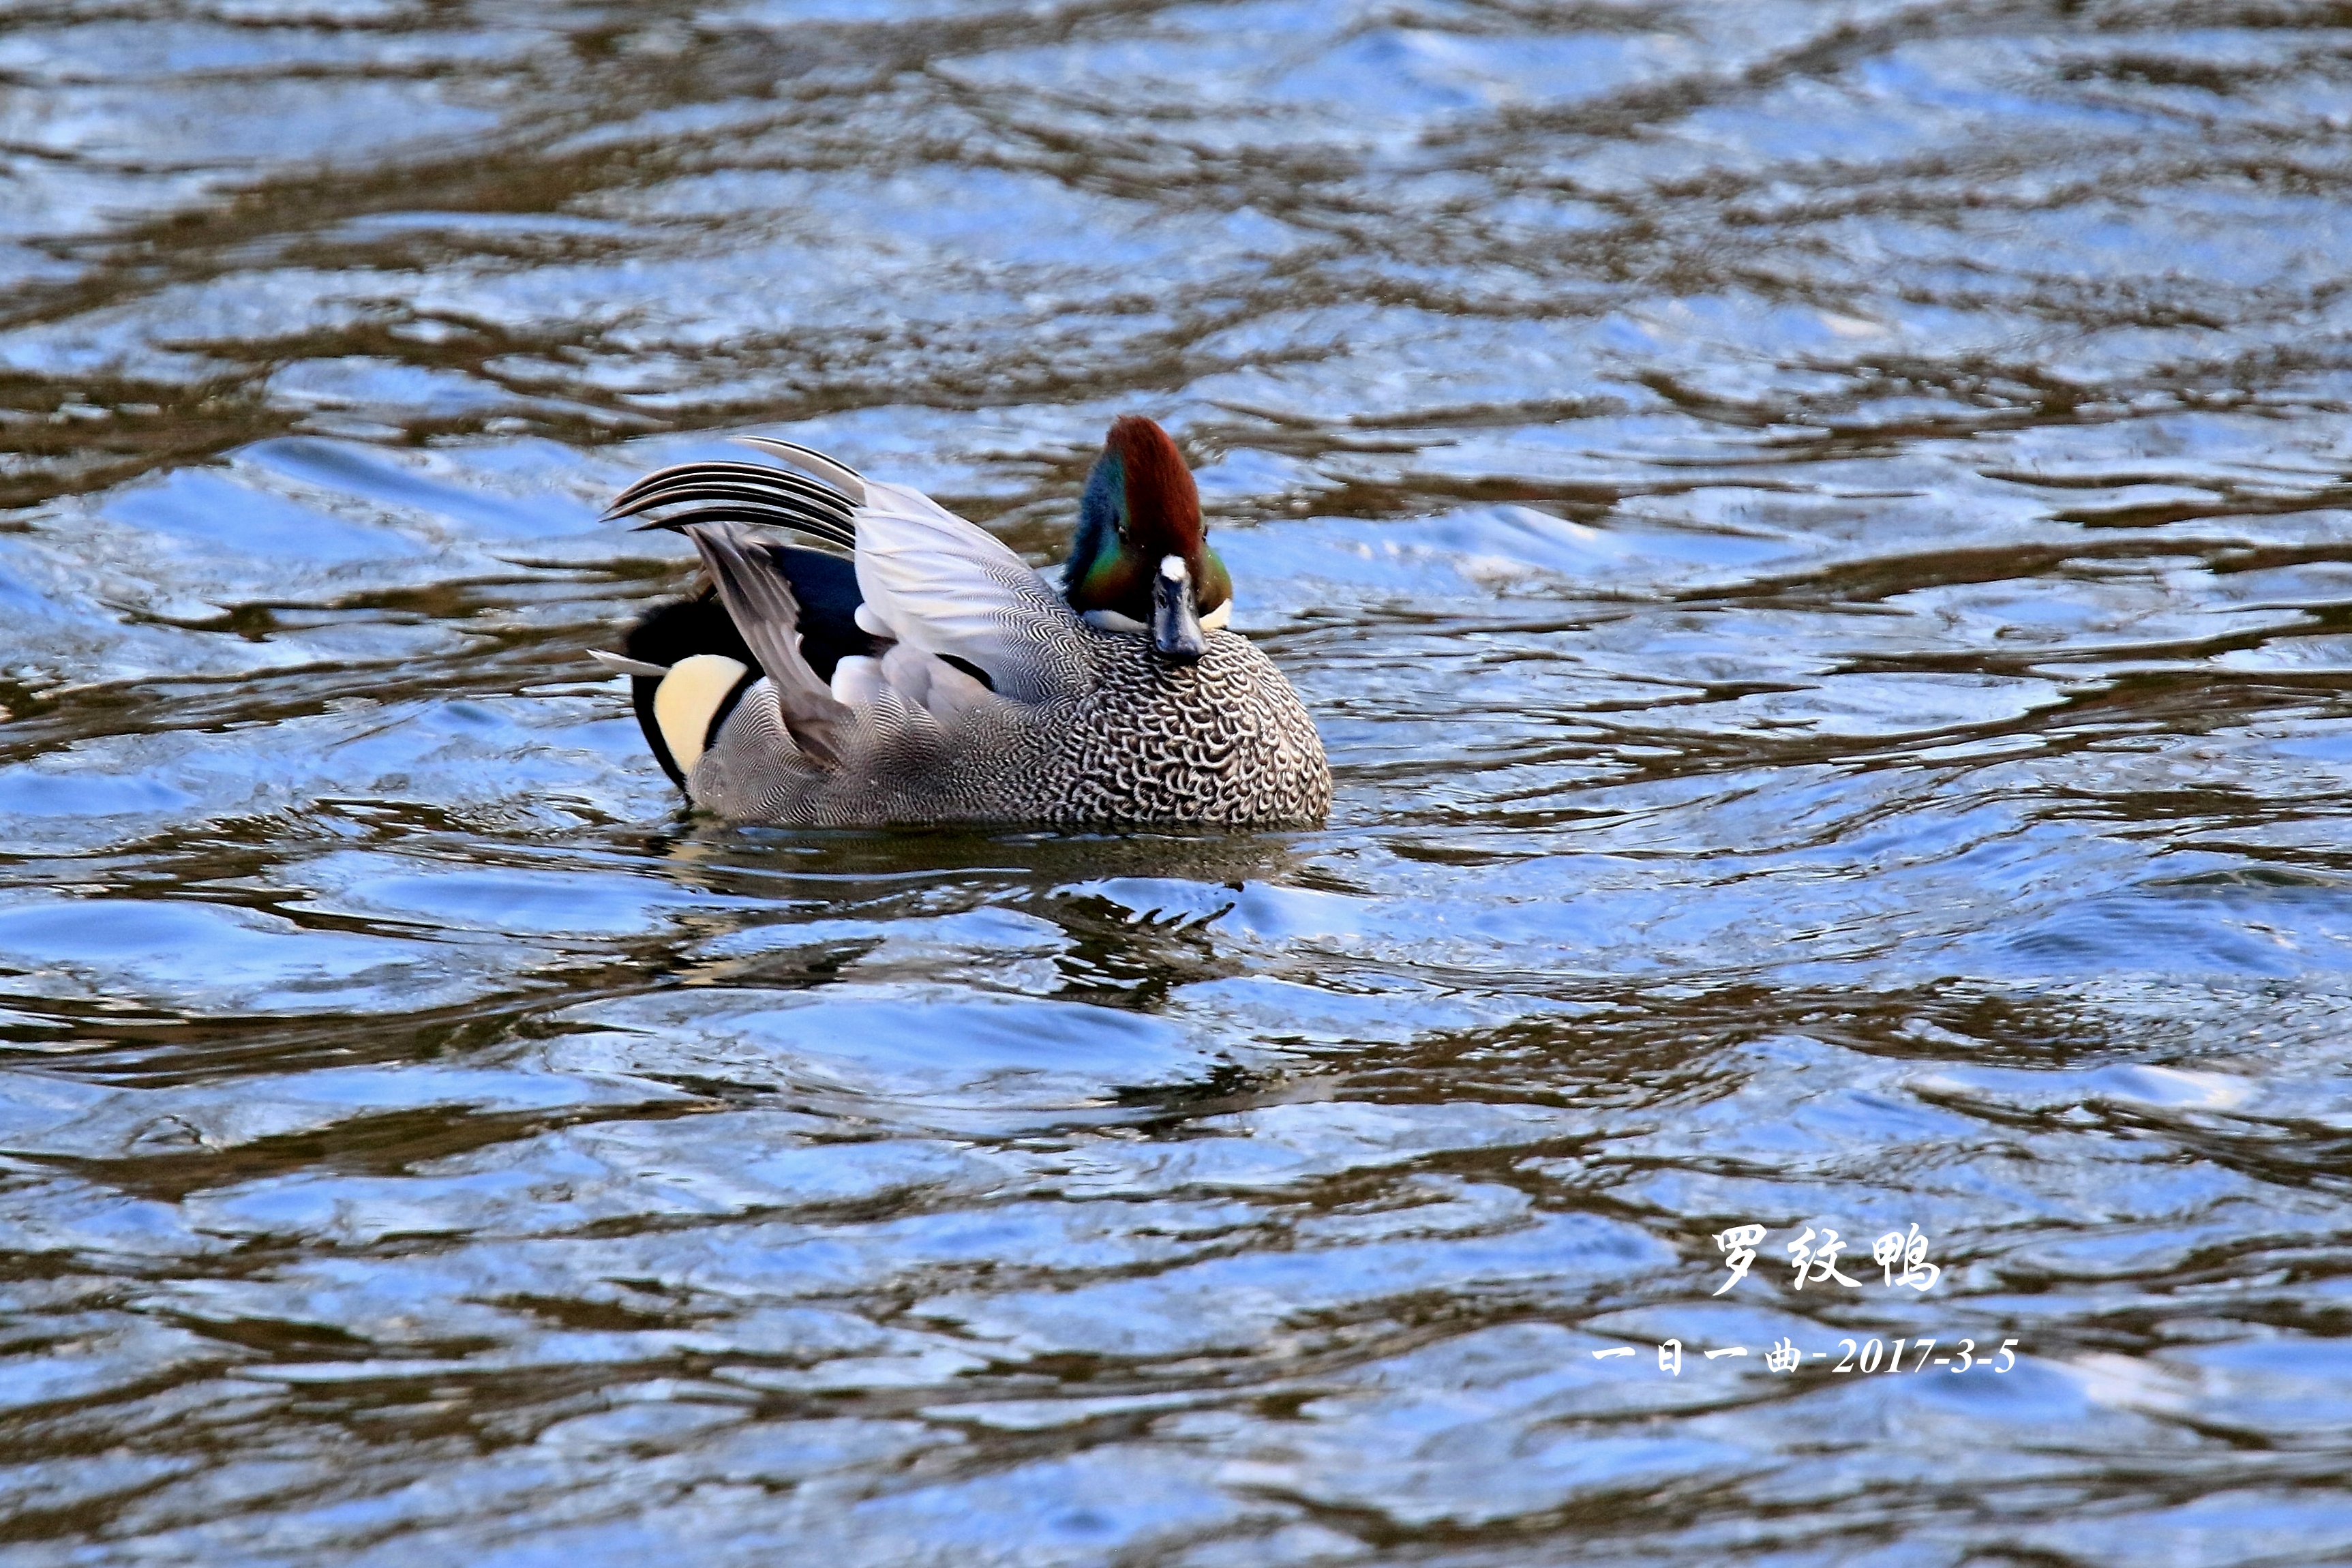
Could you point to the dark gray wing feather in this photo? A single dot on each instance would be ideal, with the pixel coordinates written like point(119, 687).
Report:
point(759, 600)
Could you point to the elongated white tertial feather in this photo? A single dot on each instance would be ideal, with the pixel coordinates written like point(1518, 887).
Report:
point(947, 586)
point(857, 680)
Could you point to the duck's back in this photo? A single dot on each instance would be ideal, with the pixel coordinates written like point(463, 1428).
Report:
point(1220, 743)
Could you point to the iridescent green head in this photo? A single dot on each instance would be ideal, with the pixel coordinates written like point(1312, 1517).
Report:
point(1141, 562)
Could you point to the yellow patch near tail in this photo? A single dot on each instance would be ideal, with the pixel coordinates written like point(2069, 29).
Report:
point(689, 697)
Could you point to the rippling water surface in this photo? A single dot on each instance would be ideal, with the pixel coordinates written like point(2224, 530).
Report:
point(1816, 536)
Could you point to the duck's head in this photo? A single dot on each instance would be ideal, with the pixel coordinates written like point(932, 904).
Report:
point(1141, 562)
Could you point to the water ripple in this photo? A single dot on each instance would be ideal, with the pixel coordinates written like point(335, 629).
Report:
point(1810, 531)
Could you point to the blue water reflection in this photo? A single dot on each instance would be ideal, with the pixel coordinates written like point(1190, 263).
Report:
point(1815, 536)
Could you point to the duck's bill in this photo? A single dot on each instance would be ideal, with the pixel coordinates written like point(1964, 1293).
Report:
point(1176, 631)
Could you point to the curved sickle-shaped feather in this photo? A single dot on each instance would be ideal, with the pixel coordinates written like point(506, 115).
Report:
point(723, 489)
point(761, 516)
point(743, 483)
point(746, 504)
point(662, 481)
point(747, 492)
point(835, 472)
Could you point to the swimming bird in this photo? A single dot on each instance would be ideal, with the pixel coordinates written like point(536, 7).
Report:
point(904, 666)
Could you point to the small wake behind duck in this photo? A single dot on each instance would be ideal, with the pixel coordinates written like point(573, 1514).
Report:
point(905, 667)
